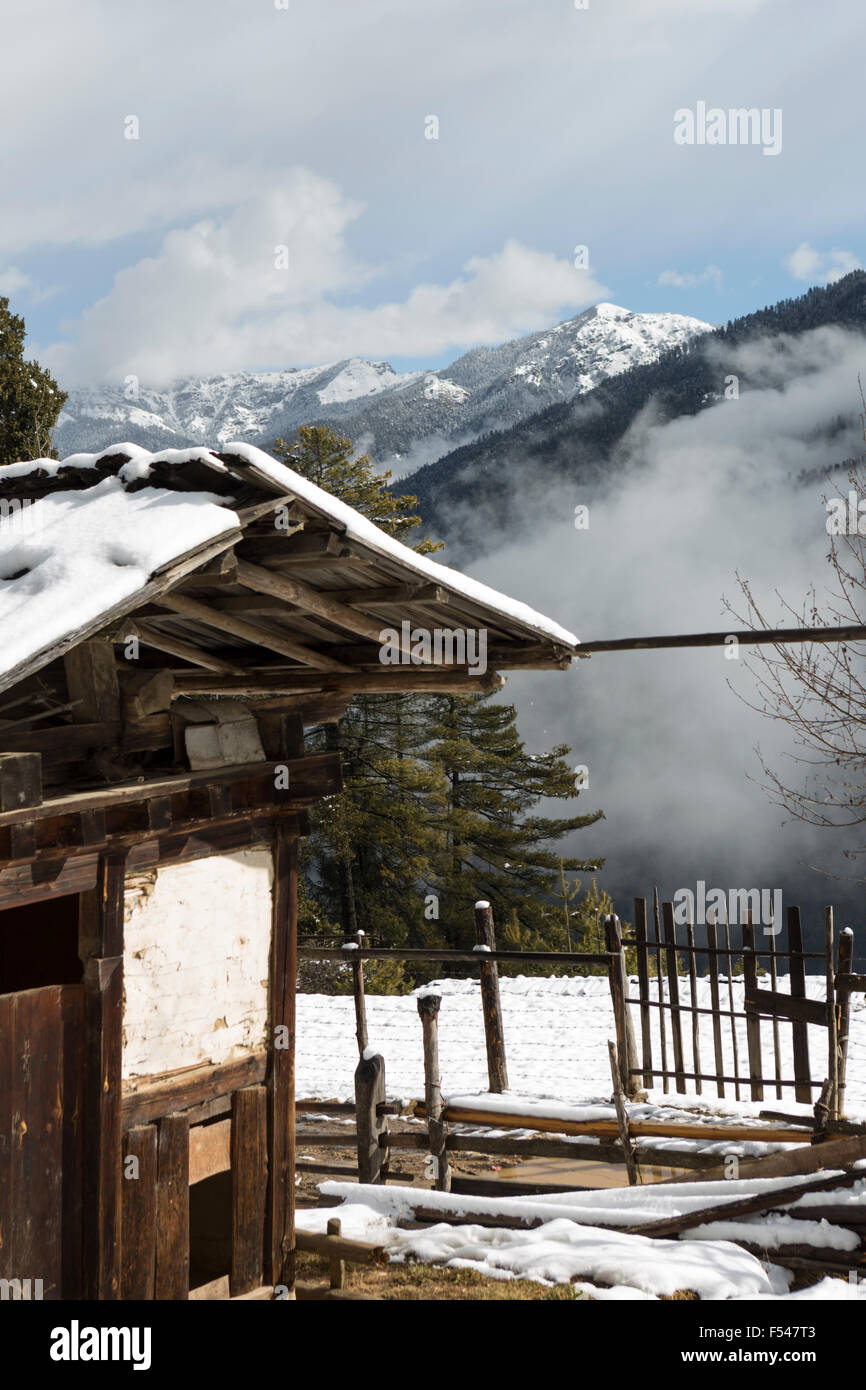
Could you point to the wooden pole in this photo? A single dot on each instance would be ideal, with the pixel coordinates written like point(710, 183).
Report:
point(337, 1267)
point(358, 990)
point(622, 1115)
point(101, 951)
point(799, 1030)
point(428, 1010)
point(485, 936)
point(670, 930)
point(843, 1013)
point(753, 1022)
point(832, 1053)
point(618, 981)
point(693, 986)
point(373, 1156)
point(713, 959)
point(661, 989)
point(851, 633)
point(643, 988)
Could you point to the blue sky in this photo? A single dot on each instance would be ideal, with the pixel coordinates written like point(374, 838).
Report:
point(306, 127)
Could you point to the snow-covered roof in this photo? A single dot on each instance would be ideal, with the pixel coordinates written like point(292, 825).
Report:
point(75, 553)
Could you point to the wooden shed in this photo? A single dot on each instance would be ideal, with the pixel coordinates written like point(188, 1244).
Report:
point(171, 623)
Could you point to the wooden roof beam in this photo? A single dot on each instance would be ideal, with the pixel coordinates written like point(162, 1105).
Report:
point(304, 596)
point(176, 646)
point(248, 632)
point(395, 680)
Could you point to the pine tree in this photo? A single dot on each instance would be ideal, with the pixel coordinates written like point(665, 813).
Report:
point(30, 399)
point(496, 848)
point(439, 796)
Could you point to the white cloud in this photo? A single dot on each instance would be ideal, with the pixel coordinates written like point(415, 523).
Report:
point(214, 300)
point(690, 279)
point(17, 282)
point(820, 267)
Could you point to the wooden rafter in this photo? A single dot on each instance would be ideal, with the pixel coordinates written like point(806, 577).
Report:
point(249, 632)
point(312, 600)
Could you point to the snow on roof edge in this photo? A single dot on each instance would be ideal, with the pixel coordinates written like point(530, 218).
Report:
point(360, 528)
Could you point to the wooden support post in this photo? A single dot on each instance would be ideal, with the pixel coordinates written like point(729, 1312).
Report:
point(337, 1267)
point(20, 780)
point(618, 981)
point(428, 1010)
point(661, 988)
point(249, 1132)
point(832, 1050)
point(622, 1115)
point(139, 1213)
point(172, 1206)
point(799, 1029)
point(693, 990)
point(843, 1013)
point(358, 991)
point(753, 1022)
point(279, 1255)
point(715, 1004)
point(497, 1071)
point(101, 950)
point(640, 932)
point(371, 1127)
point(672, 964)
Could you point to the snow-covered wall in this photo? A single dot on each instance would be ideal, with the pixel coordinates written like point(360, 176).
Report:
point(197, 943)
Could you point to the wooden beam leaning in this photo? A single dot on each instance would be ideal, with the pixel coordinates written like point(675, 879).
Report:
point(249, 632)
point(101, 951)
point(176, 646)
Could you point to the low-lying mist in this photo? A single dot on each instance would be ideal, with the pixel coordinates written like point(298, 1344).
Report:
point(666, 735)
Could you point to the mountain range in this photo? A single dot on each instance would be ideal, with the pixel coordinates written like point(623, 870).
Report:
point(402, 420)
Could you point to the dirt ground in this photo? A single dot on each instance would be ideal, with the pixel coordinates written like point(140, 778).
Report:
point(410, 1162)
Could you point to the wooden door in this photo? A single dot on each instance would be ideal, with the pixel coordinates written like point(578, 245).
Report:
point(41, 1041)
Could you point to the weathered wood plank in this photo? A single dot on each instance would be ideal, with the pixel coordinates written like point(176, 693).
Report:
point(715, 1002)
point(279, 1228)
point(670, 933)
point(372, 1128)
point(172, 1241)
point(193, 1086)
point(249, 1137)
point(209, 1150)
point(101, 950)
point(799, 1030)
point(642, 951)
point(753, 1022)
point(139, 1213)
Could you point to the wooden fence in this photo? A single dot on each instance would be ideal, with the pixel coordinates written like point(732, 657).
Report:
point(729, 1051)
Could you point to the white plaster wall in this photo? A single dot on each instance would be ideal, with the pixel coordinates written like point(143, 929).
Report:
point(196, 953)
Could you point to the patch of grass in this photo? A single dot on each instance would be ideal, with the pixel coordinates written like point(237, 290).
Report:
point(420, 1282)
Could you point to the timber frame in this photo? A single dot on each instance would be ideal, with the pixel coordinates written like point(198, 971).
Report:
point(157, 731)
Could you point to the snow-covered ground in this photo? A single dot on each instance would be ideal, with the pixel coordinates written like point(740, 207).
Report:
point(556, 1036)
point(556, 1033)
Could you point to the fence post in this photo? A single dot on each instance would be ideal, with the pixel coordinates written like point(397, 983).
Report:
point(428, 1010)
point(497, 1072)
point(843, 1014)
point(373, 1156)
point(618, 981)
point(832, 1046)
point(336, 1266)
point(358, 991)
